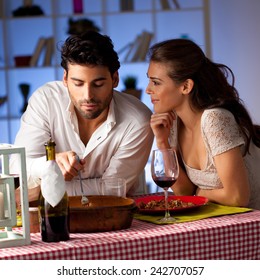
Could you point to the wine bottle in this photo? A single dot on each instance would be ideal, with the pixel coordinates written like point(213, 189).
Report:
point(54, 220)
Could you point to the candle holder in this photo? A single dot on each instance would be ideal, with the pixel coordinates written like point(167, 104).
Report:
point(8, 216)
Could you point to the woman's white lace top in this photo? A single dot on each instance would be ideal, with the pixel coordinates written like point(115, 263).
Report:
point(221, 133)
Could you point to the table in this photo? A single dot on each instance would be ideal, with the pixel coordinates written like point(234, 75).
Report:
point(225, 237)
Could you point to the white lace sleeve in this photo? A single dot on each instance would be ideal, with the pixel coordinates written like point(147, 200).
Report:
point(220, 131)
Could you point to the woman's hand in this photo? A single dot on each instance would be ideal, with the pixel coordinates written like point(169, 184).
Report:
point(69, 164)
point(161, 125)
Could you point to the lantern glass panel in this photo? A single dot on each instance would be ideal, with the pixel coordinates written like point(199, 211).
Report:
point(7, 201)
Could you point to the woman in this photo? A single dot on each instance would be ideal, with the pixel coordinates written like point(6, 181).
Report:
point(198, 112)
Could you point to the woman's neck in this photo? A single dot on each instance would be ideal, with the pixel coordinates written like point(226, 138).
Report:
point(190, 119)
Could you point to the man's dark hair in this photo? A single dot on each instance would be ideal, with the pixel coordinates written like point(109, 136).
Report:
point(90, 48)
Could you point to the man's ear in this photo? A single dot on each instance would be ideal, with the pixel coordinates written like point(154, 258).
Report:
point(65, 78)
point(115, 79)
point(187, 86)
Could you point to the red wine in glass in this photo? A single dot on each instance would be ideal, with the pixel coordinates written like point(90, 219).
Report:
point(164, 182)
point(165, 171)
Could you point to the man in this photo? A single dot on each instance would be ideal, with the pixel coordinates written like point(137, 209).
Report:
point(85, 116)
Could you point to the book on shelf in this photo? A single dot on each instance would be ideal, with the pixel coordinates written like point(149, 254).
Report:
point(143, 46)
point(165, 5)
point(136, 48)
point(132, 48)
point(49, 51)
point(147, 38)
point(40, 46)
point(126, 5)
point(176, 4)
point(129, 46)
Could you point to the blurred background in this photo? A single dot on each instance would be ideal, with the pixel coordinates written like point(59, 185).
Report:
point(32, 30)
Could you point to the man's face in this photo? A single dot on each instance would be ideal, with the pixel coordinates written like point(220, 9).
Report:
point(90, 88)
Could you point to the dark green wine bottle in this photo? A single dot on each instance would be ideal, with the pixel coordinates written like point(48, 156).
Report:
point(54, 220)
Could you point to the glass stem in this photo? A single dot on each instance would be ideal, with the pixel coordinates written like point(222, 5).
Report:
point(167, 213)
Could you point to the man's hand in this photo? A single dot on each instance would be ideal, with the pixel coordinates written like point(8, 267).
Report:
point(69, 164)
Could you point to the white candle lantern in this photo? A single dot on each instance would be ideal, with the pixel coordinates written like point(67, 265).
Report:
point(8, 215)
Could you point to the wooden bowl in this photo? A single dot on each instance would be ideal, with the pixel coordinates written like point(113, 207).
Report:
point(104, 213)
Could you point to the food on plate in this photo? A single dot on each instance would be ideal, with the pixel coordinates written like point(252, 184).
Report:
point(160, 204)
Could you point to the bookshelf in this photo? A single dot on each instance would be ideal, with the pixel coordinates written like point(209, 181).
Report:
point(124, 21)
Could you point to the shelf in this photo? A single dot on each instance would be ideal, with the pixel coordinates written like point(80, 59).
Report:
point(17, 38)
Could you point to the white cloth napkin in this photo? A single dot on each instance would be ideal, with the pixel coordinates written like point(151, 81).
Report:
point(52, 183)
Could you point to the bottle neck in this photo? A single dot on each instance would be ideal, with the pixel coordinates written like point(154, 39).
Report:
point(50, 153)
point(50, 150)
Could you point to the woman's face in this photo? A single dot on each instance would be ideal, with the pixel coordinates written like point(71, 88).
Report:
point(166, 95)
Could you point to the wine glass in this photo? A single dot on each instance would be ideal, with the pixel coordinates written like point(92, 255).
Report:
point(165, 171)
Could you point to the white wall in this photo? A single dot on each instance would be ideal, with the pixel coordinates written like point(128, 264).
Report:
point(235, 37)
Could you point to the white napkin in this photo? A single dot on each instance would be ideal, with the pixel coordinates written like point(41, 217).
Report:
point(52, 183)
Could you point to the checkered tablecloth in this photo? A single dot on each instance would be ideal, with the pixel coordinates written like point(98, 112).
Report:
point(226, 237)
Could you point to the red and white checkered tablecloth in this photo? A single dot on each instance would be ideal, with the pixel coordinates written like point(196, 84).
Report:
point(226, 237)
